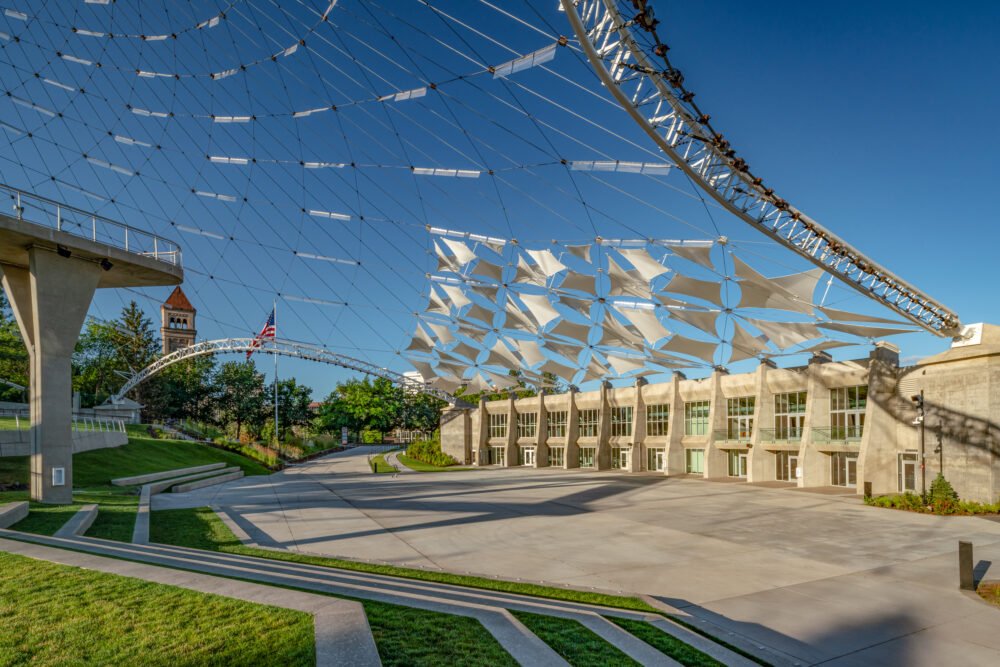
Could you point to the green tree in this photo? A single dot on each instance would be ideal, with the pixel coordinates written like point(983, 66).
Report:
point(14, 362)
point(333, 414)
point(186, 390)
point(293, 404)
point(422, 412)
point(241, 396)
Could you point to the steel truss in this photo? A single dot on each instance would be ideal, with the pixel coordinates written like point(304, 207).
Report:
point(620, 40)
point(300, 350)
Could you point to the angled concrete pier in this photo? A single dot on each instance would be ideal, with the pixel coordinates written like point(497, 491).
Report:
point(50, 268)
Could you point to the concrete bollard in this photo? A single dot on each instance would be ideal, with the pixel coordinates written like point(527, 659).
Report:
point(966, 580)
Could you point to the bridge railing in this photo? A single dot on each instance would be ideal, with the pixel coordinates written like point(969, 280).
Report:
point(61, 217)
point(20, 420)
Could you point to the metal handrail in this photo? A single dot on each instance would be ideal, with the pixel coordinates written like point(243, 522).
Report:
point(725, 435)
point(849, 433)
point(791, 434)
point(64, 218)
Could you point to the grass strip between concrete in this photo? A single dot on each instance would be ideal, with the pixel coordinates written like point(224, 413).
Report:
point(201, 528)
point(57, 614)
point(420, 466)
point(673, 647)
point(576, 644)
point(379, 465)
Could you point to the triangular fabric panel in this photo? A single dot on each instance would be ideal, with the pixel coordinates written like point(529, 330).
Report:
point(418, 345)
point(786, 334)
point(581, 251)
point(445, 384)
point(461, 251)
point(501, 381)
point(825, 345)
point(578, 332)
point(646, 321)
point(448, 263)
point(488, 270)
point(565, 350)
point(699, 254)
point(466, 351)
point(744, 345)
point(705, 320)
point(623, 365)
point(437, 304)
point(581, 306)
point(455, 295)
point(539, 308)
point(616, 334)
point(802, 285)
point(695, 348)
point(579, 281)
point(424, 368)
point(529, 351)
point(503, 357)
point(528, 274)
point(625, 283)
point(595, 370)
point(863, 331)
point(477, 312)
point(488, 292)
point(516, 320)
point(546, 261)
point(442, 332)
point(702, 289)
point(476, 385)
point(671, 361)
point(755, 295)
point(560, 371)
point(644, 264)
point(835, 314)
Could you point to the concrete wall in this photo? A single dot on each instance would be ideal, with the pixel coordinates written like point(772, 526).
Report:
point(18, 443)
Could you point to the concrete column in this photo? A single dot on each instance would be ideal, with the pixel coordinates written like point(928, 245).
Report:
point(637, 458)
point(716, 459)
point(50, 301)
point(815, 464)
point(571, 457)
point(482, 435)
point(542, 434)
point(604, 431)
point(456, 433)
point(510, 458)
point(877, 461)
point(676, 464)
point(761, 463)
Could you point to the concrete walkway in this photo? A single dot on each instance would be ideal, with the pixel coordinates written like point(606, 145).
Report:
point(392, 458)
point(488, 607)
point(797, 577)
point(341, 627)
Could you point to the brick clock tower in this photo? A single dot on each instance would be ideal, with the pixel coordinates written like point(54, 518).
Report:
point(177, 322)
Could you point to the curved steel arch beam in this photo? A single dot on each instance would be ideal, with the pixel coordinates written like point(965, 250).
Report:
point(300, 350)
point(656, 100)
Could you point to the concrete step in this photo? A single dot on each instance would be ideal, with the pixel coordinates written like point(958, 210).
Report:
point(211, 481)
point(166, 474)
point(80, 522)
point(11, 513)
point(161, 486)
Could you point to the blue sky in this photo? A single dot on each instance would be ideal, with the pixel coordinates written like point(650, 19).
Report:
point(875, 119)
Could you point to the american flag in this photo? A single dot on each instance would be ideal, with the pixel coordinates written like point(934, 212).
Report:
point(267, 333)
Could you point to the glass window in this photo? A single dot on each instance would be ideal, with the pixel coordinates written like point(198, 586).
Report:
point(694, 460)
point(789, 415)
point(696, 417)
point(556, 423)
point(587, 457)
point(498, 425)
point(657, 419)
point(740, 418)
point(621, 421)
point(588, 424)
point(847, 412)
point(557, 456)
point(527, 424)
point(497, 455)
point(619, 458)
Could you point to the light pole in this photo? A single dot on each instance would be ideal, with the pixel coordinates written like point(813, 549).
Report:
point(919, 400)
point(940, 450)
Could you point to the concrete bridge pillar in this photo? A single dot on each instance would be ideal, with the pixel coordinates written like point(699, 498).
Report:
point(50, 300)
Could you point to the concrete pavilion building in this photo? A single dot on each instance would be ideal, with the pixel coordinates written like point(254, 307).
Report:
point(826, 424)
point(177, 329)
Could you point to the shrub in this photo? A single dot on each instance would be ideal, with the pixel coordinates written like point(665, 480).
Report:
point(370, 436)
point(941, 490)
point(429, 451)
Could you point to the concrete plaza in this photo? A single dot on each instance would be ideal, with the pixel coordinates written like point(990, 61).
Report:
point(813, 577)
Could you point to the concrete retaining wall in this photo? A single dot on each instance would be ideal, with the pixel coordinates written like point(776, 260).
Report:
point(11, 513)
point(18, 443)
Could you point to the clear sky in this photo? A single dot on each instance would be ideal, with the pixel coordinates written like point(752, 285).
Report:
point(876, 119)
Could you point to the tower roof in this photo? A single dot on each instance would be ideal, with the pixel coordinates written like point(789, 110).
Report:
point(178, 300)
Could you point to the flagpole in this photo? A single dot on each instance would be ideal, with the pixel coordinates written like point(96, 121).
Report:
point(275, 311)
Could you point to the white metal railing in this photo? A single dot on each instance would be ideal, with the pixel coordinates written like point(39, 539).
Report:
point(64, 218)
point(20, 420)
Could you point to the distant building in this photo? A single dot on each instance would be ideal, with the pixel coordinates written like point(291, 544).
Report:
point(177, 322)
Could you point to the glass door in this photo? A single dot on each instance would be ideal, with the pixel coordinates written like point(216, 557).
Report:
point(695, 461)
point(655, 460)
point(844, 469)
point(907, 472)
point(743, 465)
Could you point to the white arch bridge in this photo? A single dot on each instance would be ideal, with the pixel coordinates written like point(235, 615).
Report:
point(286, 348)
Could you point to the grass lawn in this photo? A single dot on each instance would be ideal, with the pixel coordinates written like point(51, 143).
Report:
point(381, 465)
point(56, 615)
point(660, 640)
point(426, 467)
point(403, 635)
point(579, 646)
point(115, 517)
point(141, 455)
